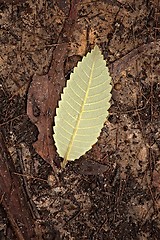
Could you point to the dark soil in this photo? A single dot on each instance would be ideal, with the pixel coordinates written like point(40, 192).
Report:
point(113, 191)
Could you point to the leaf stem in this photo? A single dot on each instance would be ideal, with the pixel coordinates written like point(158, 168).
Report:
point(63, 164)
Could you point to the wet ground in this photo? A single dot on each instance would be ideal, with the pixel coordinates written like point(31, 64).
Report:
point(113, 191)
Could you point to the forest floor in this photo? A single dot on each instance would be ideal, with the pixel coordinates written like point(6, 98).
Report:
point(113, 191)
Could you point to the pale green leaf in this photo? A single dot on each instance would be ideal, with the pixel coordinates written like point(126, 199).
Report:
point(83, 107)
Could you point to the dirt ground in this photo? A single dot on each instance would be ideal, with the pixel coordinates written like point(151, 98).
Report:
point(113, 191)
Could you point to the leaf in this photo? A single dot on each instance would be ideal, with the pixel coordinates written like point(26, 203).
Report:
point(83, 107)
point(43, 95)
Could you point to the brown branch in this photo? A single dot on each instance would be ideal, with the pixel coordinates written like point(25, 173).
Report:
point(12, 197)
point(44, 91)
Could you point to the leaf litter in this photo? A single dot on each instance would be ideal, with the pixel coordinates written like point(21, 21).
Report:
point(123, 201)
